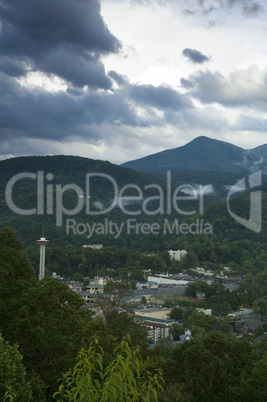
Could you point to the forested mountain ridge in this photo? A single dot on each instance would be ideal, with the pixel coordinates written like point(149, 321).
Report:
point(203, 153)
point(56, 173)
point(66, 169)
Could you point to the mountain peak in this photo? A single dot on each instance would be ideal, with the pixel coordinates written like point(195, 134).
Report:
point(202, 153)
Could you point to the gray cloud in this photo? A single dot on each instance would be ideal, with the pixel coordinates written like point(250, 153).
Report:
point(118, 78)
point(68, 38)
point(186, 83)
point(252, 9)
point(241, 88)
point(250, 123)
point(12, 67)
point(65, 38)
point(160, 97)
point(148, 2)
point(62, 115)
point(248, 8)
point(195, 56)
point(188, 12)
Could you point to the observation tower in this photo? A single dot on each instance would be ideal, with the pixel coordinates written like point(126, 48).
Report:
point(42, 243)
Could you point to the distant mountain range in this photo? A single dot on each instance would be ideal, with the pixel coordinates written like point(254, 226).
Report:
point(204, 154)
point(203, 162)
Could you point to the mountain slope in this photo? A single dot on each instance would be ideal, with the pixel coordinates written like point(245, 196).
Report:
point(202, 153)
point(261, 152)
point(50, 186)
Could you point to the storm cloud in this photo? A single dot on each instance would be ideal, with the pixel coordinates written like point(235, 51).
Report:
point(114, 80)
point(65, 38)
point(160, 97)
point(60, 115)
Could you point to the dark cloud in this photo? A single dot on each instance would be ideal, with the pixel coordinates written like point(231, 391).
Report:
point(11, 67)
point(76, 68)
point(60, 116)
point(195, 56)
point(62, 37)
point(160, 97)
point(118, 78)
point(75, 91)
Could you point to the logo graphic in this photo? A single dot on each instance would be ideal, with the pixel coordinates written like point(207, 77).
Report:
point(254, 221)
point(130, 199)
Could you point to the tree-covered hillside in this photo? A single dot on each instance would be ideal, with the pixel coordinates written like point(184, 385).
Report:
point(51, 191)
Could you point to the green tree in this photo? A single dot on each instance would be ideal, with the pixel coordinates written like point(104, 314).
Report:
point(211, 368)
point(177, 313)
point(191, 290)
point(50, 327)
point(254, 388)
point(16, 277)
point(116, 298)
point(260, 307)
point(133, 284)
point(12, 374)
point(199, 323)
point(176, 330)
point(143, 300)
point(168, 302)
point(226, 328)
point(122, 380)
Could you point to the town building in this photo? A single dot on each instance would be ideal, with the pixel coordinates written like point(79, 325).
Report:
point(99, 280)
point(94, 289)
point(94, 246)
point(166, 280)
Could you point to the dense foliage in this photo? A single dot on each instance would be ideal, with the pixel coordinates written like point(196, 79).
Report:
point(12, 374)
point(215, 367)
point(46, 320)
point(120, 381)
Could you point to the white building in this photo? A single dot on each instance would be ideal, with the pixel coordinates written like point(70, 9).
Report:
point(95, 289)
point(166, 280)
point(157, 331)
point(99, 280)
point(94, 246)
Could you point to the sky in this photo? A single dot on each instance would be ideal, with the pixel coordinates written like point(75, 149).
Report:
point(118, 80)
